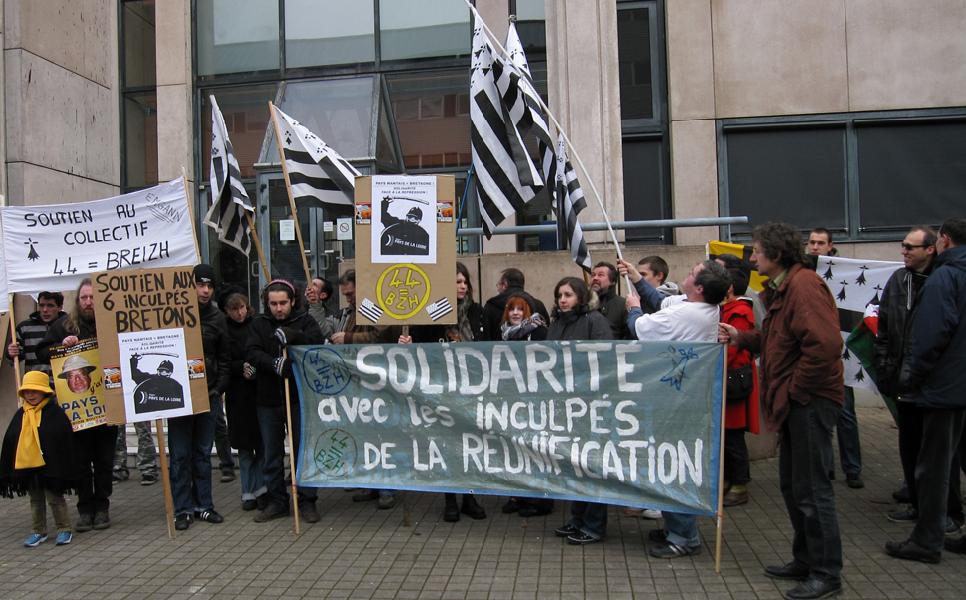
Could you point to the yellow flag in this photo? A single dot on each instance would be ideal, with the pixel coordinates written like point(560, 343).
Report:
point(717, 248)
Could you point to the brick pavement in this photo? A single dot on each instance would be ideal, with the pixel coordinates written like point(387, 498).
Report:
point(359, 552)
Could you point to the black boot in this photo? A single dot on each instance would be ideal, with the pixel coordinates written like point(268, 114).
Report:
point(472, 508)
point(451, 513)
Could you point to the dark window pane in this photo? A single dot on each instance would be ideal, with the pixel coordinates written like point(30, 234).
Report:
point(430, 136)
point(792, 175)
point(140, 140)
point(644, 187)
point(328, 32)
point(911, 173)
point(634, 62)
point(531, 25)
point(246, 117)
point(236, 36)
point(138, 44)
point(423, 29)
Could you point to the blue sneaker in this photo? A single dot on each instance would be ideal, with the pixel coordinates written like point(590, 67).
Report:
point(34, 540)
point(64, 538)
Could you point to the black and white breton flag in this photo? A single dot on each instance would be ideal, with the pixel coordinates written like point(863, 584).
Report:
point(369, 309)
point(506, 177)
point(571, 196)
point(316, 172)
point(229, 201)
point(521, 96)
point(438, 309)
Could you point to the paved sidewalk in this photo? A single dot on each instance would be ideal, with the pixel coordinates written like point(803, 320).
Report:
point(357, 551)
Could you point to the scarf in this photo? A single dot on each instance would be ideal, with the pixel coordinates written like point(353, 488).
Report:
point(463, 320)
point(28, 446)
point(522, 330)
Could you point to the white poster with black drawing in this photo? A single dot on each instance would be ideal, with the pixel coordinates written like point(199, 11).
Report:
point(154, 374)
point(404, 219)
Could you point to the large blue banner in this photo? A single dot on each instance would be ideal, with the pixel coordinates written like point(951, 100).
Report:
point(627, 423)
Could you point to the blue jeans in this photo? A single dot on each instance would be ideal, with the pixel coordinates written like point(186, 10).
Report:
point(682, 530)
point(189, 443)
point(271, 423)
point(850, 451)
point(251, 465)
point(589, 517)
point(804, 463)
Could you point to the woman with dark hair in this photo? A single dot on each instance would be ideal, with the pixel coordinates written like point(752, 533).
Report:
point(575, 319)
point(243, 431)
point(283, 323)
point(469, 313)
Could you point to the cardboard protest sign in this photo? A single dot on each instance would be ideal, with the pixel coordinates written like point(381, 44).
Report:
point(149, 328)
point(151, 227)
point(79, 383)
point(626, 423)
point(406, 250)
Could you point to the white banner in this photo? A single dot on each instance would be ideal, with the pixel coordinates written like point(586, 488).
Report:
point(4, 291)
point(854, 282)
point(54, 247)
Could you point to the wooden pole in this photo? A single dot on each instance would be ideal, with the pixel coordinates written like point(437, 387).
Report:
point(719, 525)
point(291, 447)
point(165, 479)
point(407, 515)
point(258, 247)
point(288, 189)
point(13, 340)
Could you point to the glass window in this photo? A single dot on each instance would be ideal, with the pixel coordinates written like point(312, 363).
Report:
point(912, 172)
point(531, 25)
point(237, 36)
point(644, 187)
point(328, 32)
point(634, 61)
point(432, 118)
point(245, 110)
point(141, 140)
point(796, 175)
point(138, 43)
point(423, 29)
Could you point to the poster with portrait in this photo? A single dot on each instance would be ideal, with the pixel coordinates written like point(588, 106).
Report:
point(154, 374)
point(149, 327)
point(398, 281)
point(79, 383)
point(404, 219)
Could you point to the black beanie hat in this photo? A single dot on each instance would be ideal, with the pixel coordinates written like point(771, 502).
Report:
point(204, 274)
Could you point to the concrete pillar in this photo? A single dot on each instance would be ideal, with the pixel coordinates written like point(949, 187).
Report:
point(175, 122)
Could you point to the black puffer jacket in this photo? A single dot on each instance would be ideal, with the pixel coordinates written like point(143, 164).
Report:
point(62, 328)
point(932, 372)
point(264, 348)
point(579, 324)
point(892, 341)
point(217, 348)
point(243, 429)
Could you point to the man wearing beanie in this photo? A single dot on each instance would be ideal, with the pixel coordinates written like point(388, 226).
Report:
point(190, 438)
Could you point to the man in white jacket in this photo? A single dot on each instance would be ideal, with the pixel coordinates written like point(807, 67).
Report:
point(692, 316)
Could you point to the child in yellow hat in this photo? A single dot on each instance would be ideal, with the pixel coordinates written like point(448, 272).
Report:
point(37, 458)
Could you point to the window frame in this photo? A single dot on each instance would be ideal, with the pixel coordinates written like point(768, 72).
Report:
point(850, 122)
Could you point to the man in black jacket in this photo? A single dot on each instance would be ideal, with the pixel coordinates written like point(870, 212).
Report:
point(284, 323)
point(511, 283)
point(932, 378)
point(603, 280)
point(190, 438)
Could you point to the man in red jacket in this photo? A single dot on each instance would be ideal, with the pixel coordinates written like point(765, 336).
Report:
point(802, 392)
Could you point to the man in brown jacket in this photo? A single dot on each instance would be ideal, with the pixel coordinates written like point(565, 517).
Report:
point(802, 392)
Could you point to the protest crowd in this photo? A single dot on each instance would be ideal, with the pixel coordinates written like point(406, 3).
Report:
point(784, 374)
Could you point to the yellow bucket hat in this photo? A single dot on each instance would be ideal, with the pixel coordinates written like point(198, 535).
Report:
point(35, 380)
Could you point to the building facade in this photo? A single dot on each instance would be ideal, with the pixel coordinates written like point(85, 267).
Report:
point(846, 114)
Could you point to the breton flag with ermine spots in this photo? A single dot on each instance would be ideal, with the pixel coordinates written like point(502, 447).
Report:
point(229, 200)
point(571, 197)
point(316, 172)
point(506, 177)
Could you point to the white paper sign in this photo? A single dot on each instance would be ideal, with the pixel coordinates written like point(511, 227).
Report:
point(344, 229)
point(154, 374)
point(54, 247)
point(286, 230)
point(327, 226)
point(404, 219)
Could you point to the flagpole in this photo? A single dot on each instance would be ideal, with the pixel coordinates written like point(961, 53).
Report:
point(553, 119)
point(262, 261)
point(288, 189)
point(13, 340)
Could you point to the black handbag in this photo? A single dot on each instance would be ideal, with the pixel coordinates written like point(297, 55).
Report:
point(740, 383)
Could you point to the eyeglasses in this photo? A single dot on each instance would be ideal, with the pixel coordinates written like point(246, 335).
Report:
point(909, 247)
